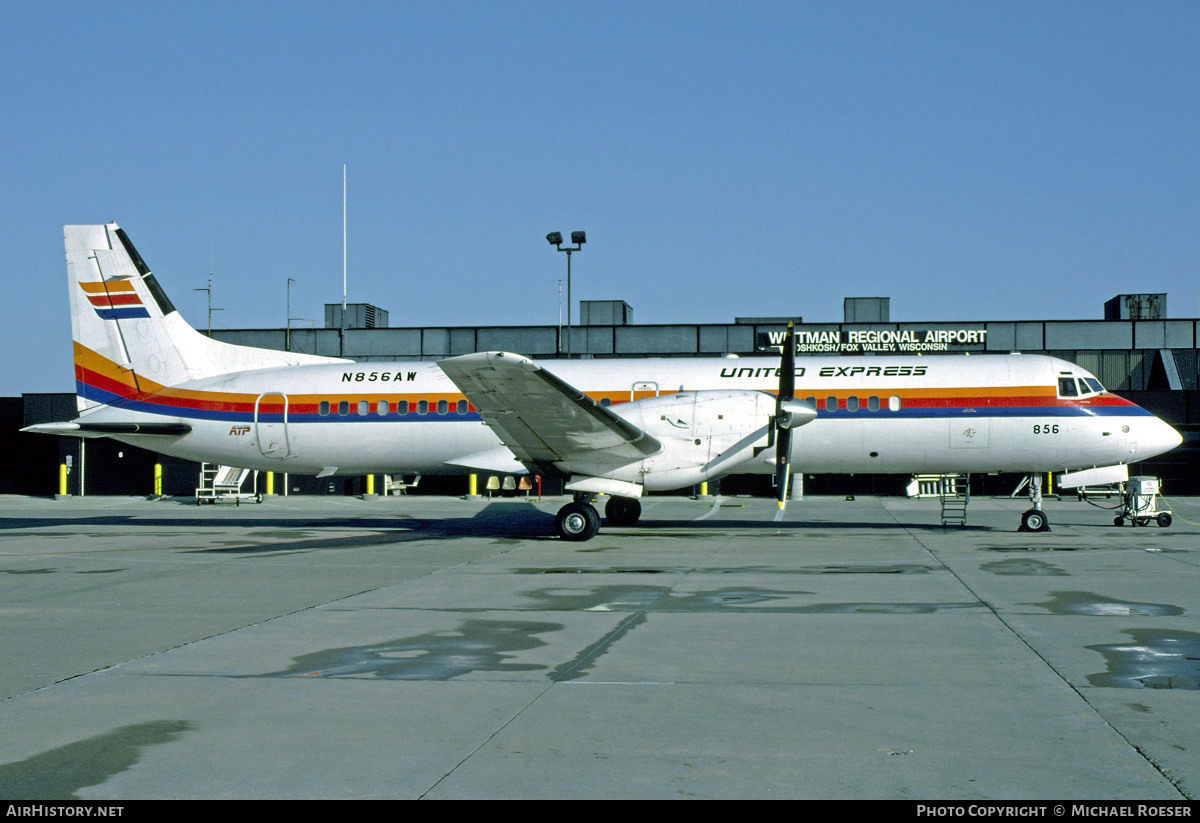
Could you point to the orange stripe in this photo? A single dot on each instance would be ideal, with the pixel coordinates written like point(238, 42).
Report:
point(107, 286)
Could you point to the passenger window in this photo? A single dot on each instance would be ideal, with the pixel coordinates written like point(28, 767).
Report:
point(381, 408)
point(604, 401)
point(1066, 387)
point(894, 403)
point(873, 403)
point(422, 407)
point(364, 408)
point(402, 407)
point(463, 407)
point(443, 407)
point(323, 408)
point(344, 407)
point(830, 404)
point(852, 403)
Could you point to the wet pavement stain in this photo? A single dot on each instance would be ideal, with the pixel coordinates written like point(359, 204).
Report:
point(1013, 549)
point(28, 571)
point(744, 600)
point(1095, 605)
point(1023, 568)
point(1155, 659)
point(657, 599)
point(59, 774)
point(887, 608)
point(582, 663)
point(478, 646)
point(896, 568)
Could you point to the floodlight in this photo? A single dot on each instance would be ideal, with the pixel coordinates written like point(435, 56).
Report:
point(554, 238)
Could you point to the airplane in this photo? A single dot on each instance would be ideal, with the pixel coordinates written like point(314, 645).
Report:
point(619, 427)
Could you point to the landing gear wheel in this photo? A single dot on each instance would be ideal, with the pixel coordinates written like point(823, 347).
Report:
point(1034, 520)
point(1164, 519)
point(577, 522)
point(1118, 520)
point(622, 511)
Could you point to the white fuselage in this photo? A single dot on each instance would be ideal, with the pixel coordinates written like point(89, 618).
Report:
point(874, 414)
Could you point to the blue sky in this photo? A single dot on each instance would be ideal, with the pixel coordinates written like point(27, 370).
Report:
point(969, 160)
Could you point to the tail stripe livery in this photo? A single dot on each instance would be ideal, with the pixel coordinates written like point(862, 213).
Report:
point(114, 300)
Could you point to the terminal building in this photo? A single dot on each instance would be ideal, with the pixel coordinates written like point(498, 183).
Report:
point(1136, 350)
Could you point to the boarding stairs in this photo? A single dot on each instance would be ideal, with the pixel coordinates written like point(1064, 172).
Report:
point(224, 483)
point(952, 490)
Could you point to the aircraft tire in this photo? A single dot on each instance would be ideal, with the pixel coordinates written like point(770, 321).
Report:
point(1034, 520)
point(622, 511)
point(577, 522)
point(1164, 519)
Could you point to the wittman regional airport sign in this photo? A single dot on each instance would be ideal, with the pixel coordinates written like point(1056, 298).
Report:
point(884, 341)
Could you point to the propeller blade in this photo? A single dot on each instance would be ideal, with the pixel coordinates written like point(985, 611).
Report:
point(783, 469)
point(783, 432)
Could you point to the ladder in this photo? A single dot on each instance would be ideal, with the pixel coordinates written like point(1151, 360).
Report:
point(955, 494)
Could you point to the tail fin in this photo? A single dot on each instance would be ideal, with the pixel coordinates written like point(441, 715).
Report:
point(129, 340)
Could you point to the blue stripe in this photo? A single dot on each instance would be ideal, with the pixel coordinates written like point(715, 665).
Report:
point(124, 313)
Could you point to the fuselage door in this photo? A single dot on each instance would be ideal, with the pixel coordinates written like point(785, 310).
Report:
point(271, 426)
point(643, 389)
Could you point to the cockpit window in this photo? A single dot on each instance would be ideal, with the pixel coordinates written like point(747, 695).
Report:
point(1093, 384)
point(1066, 387)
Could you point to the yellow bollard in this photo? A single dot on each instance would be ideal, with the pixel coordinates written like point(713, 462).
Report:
point(473, 485)
point(62, 478)
point(158, 479)
point(370, 484)
point(704, 489)
point(270, 482)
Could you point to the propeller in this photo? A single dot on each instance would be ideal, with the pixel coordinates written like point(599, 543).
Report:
point(788, 415)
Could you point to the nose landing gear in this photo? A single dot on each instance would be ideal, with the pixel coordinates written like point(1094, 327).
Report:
point(1035, 520)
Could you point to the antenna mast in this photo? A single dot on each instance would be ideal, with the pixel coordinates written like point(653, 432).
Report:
point(343, 245)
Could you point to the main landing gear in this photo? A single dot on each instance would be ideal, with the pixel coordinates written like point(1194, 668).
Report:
point(579, 521)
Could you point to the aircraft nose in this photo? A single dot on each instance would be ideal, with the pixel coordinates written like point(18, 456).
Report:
point(1161, 437)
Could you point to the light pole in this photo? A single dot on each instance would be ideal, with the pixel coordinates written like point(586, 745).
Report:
point(555, 239)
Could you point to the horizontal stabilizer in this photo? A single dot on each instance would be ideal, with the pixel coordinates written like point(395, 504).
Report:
point(109, 429)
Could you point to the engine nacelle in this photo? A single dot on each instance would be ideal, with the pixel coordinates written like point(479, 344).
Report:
point(704, 434)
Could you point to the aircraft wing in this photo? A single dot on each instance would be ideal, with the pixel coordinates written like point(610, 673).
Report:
point(543, 420)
